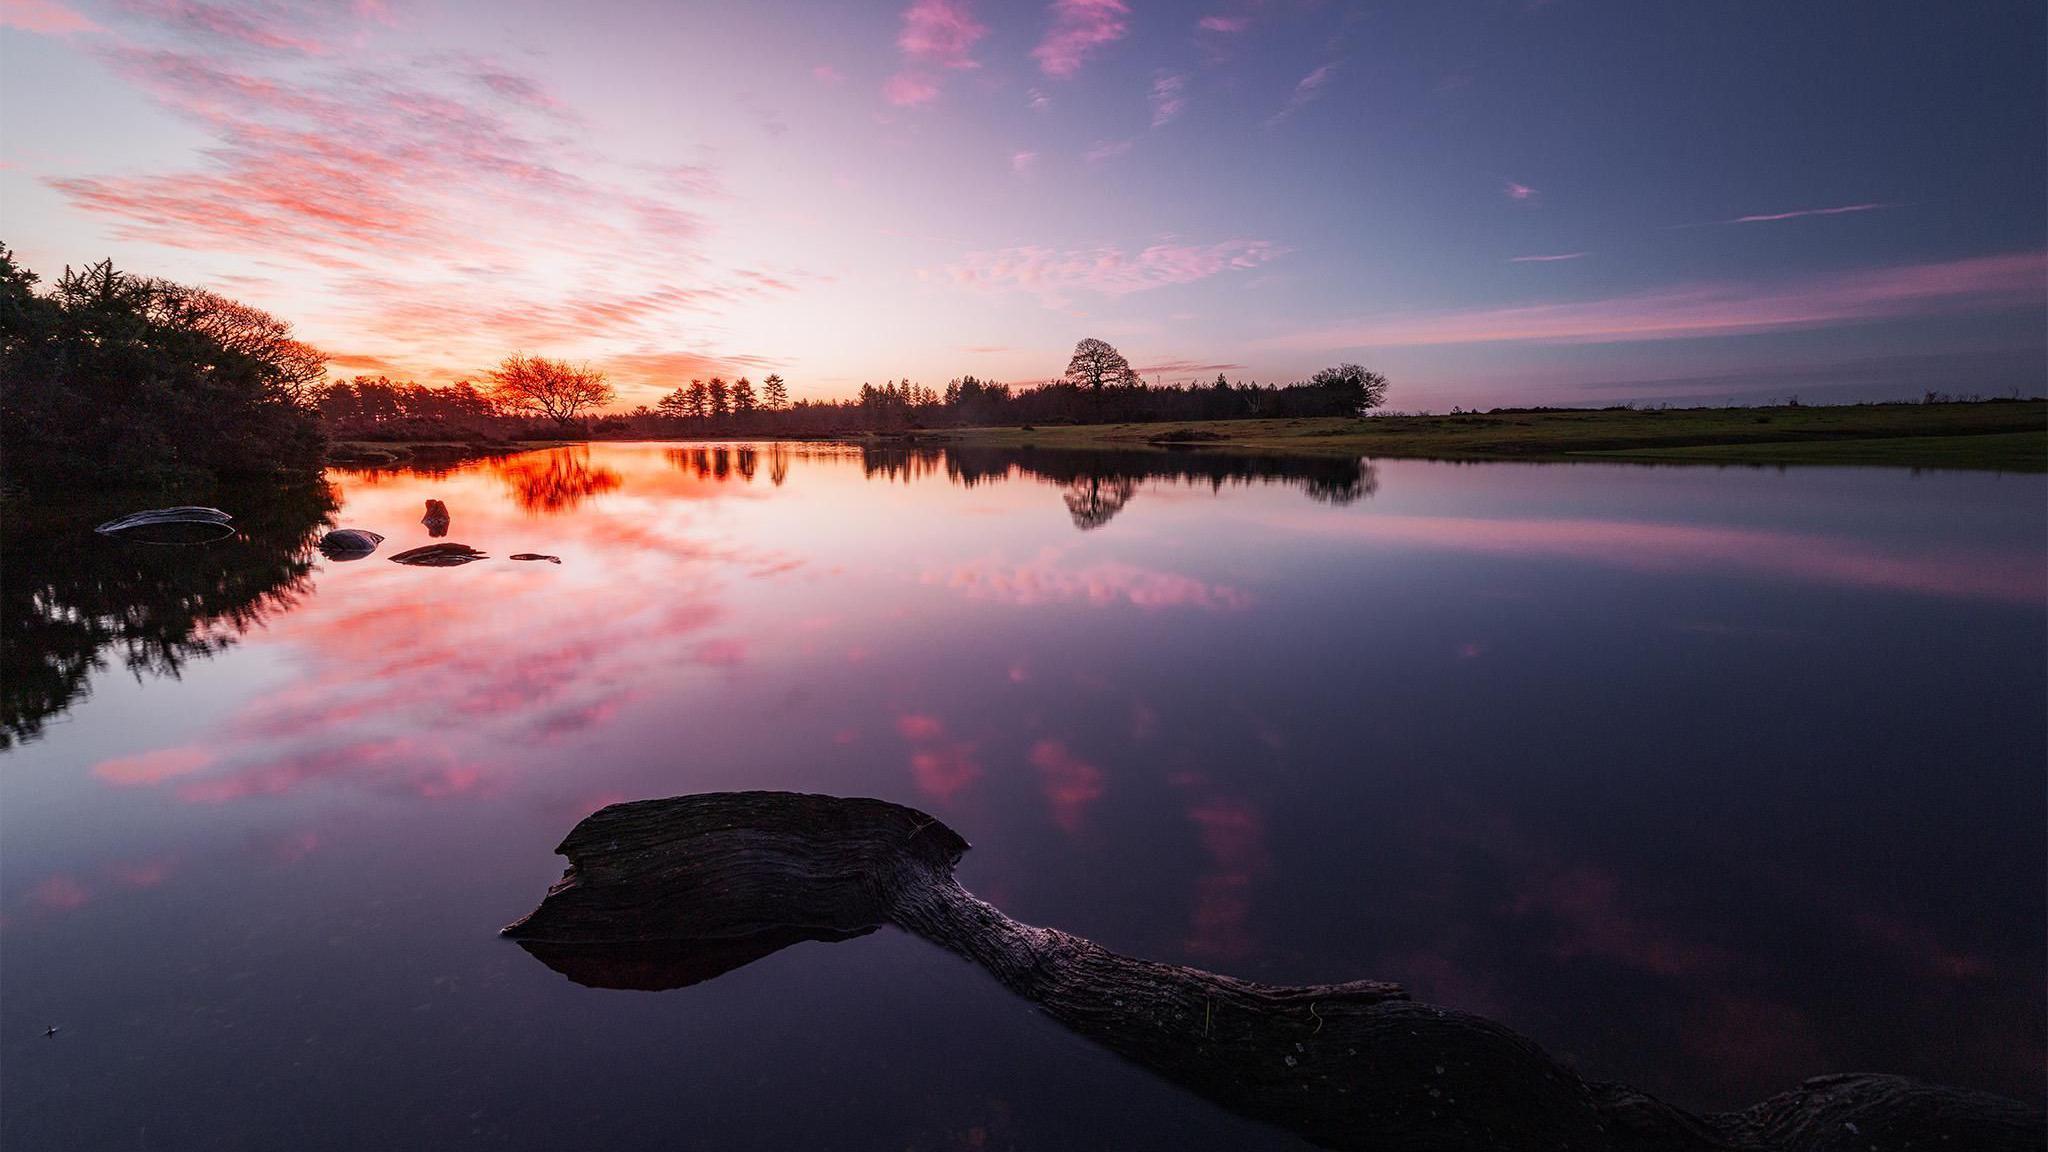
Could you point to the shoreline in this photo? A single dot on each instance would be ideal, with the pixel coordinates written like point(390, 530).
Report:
point(1990, 435)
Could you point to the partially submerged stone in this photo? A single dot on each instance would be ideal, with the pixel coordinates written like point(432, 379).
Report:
point(349, 543)
point(182, 514)
point(448, 555)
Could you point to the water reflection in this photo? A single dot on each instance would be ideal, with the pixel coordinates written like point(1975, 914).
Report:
point(1562, 745)
point(72, 598)
point(556, 480)
point(1096, 484)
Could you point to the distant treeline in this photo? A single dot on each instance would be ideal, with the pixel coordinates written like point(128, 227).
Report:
point(1098, 386)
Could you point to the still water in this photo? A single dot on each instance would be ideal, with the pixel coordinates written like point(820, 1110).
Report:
point(1707, 779)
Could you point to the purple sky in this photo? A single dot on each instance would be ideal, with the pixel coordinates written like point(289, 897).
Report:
point(1500, 201)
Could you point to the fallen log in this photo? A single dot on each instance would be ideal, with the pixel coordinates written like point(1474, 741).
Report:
point(666, 893)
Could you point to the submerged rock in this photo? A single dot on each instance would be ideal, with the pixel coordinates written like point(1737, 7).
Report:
point(438, 556)
point(536, 556)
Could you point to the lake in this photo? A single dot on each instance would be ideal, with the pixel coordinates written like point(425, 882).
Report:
point(1707, 779)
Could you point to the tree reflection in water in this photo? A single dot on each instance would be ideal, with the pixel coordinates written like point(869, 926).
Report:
point(72, 597)
point(1097, 484)
point(556, 480)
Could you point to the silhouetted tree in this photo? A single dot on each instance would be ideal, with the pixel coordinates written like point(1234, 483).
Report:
point(774, 393)
point(720, 398)
point(1096, 365)
point(1351, 387)
point(743, 402)
point(555, 389)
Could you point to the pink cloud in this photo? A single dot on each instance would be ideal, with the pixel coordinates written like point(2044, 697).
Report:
point(266, 27)
point(1306, 91)
point(919, 726)
point(1715, 309)
point(1108, 150)
point(937, 35)
point(153, 767)
point(1234, 836)
point(60, 893)
point(942, 772)
point(1169, 98)
point(1079, 27)
point(1223, 23)
point(1042, 581)
point(1070, 783)
point(1024, 163)
point(1843, 210)
point(1545, 259)
point(826, 74)
point(43, 17)
point(1055, 275)
point(908, 89)
point(940, 33)
point(1515, 191)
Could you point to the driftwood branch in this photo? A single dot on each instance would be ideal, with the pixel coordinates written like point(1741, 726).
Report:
point(664, 893)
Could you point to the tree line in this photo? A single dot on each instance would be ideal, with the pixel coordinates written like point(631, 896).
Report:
point(534, 396)
point(119, 380)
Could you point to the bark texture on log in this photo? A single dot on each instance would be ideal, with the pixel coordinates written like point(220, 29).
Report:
point(664, 893)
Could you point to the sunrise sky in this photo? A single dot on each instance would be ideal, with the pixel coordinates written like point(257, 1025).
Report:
point(1496, 201)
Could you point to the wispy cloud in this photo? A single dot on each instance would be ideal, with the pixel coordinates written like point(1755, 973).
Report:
point(1306, 91)
point(1841, 211)
point(1079, 28)
point(1169, 98)
point(1545, 259)
point(1223, 23)
point(1055, 275)
point(1713, 309)
point(388, 187)
point(937, 36)
point(1038, 100)
point(826, 74)
point(1023, 163)
point(1515, 190)
point(43, 17)
point(1108, 149)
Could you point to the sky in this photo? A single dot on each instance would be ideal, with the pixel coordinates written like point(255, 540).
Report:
point(1494, 202)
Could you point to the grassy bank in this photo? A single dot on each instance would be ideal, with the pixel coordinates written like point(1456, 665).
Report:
point(2003, 435)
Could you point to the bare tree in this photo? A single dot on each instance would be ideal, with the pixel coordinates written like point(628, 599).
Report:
point(1097, 364)
point(556, 389)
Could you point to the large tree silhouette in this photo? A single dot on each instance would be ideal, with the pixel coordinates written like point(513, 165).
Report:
point(1097, 365)
point(555, 389)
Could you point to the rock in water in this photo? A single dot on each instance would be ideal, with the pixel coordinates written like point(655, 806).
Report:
point(536, 556)
point(182, 514)
point(436, 519)
point(438, 556)
point(349, 543)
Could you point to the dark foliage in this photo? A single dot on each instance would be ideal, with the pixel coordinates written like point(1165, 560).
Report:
point(112, 379)
point(73, 599)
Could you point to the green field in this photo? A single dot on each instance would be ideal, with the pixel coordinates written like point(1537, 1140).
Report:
point(2001, 435)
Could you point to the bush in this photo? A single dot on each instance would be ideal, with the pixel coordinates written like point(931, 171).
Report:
point(115, 380)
